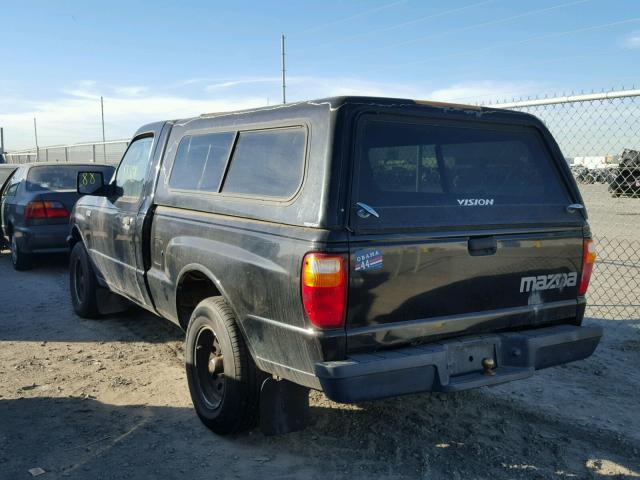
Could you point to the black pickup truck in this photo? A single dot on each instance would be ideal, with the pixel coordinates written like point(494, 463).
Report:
point(365, 247)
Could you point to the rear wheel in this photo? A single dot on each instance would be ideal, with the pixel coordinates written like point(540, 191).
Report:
point(83, 283)
point(19, 259)
point(220, 371)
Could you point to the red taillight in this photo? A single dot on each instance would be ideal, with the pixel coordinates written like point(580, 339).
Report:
point(56, 210)
point(324, 289)
point(45, 209)
point(35, 210)
point(588, 259)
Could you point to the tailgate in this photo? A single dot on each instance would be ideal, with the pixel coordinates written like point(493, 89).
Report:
point(454, 280)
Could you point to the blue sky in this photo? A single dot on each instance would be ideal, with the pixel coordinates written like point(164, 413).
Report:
point(159, 59)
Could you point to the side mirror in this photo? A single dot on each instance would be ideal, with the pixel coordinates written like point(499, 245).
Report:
point(91, 183)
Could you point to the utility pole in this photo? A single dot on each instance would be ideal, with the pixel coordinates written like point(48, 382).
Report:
point(104, 145)
point(284, 85)
point(35, 131)
point(1, 140)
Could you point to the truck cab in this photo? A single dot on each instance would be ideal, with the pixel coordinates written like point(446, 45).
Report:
point(365, 247)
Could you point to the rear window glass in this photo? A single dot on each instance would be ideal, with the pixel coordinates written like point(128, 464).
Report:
point(414, 165)
point(200, 162)
point(267, 163)
point(61, 177)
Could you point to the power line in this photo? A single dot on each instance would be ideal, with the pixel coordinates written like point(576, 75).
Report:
point(400, 25)
point(351, 17)
point(517, 42)
point(491, 22)
point(421, 19)
point(473, 26)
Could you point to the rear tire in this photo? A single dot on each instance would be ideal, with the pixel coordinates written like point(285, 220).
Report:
point(222, 377)
point(19, 259)
point(83, 283)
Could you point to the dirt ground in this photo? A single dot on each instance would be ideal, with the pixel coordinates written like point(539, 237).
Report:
point(108, 399)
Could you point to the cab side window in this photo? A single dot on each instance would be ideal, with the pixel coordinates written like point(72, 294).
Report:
point(133, 167)
point(200, 162)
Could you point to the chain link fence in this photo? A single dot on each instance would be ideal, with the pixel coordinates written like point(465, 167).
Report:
point(599, 135)
point(98, 152)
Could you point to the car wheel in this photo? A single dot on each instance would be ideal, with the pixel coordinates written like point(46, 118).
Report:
point(83, 283)
point(19, 259)
point(222, 377)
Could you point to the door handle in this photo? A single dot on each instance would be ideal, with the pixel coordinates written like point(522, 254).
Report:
point(480, 246)
point(126, 221)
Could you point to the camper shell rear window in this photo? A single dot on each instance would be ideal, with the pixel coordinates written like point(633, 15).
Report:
point(429, 173)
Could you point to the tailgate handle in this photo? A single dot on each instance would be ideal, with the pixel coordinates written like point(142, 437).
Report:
point(574, 207)
point(480, 246)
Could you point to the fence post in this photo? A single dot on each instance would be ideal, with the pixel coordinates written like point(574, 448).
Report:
point(93, 148)
point(66, 154)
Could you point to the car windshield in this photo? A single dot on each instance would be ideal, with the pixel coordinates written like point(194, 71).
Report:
point(60, 177)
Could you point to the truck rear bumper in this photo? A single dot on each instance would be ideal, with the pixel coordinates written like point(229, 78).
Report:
point(454, 364)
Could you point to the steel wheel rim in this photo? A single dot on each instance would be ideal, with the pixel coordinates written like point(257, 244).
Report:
point(79, 283)
point(209, 366)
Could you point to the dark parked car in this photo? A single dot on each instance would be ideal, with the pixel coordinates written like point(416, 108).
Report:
point(626, 181)
point(365, 247)
point(35, 203)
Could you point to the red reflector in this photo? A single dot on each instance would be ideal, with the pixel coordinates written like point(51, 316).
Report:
point(45, 209)
point(324, 289)
point(588, 260)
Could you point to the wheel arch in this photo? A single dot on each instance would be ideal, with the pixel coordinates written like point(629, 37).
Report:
point(186, 299)
point(74, 237)
point(203, 284)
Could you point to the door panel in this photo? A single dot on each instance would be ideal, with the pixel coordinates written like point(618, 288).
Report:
point(3, 201)
point(114, 223)
point(8, 197)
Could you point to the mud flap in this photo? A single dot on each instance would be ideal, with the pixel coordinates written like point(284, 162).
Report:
point(284, 407)
point(110, 303)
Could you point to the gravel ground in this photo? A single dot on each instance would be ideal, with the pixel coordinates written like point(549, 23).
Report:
point(107, 399)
